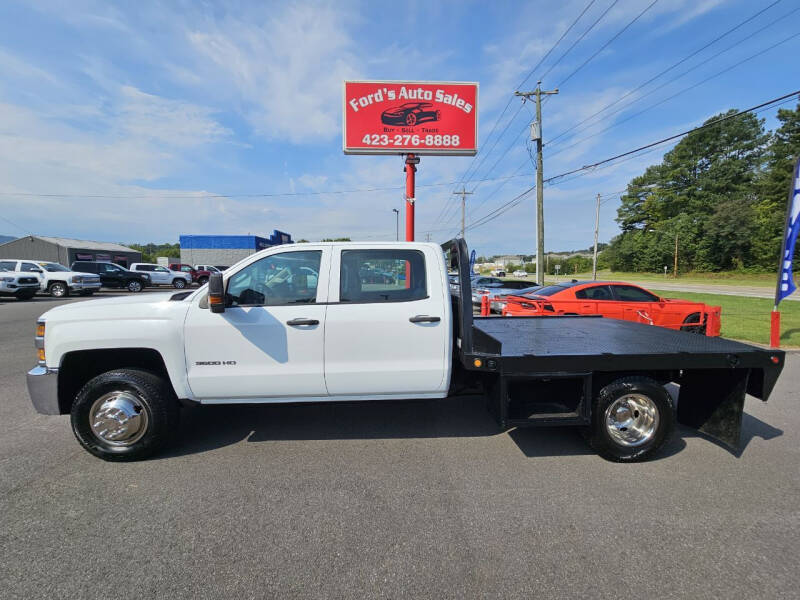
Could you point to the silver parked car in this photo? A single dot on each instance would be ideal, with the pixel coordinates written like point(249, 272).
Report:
point(163, 276)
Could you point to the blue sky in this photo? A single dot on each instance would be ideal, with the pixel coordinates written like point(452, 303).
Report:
point(144, 114)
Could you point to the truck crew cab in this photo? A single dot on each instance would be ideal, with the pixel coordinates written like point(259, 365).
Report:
point(300, 324)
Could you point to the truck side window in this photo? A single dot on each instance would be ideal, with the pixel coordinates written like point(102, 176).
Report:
point(8, 265)
point(279, 279)
point(382, 276)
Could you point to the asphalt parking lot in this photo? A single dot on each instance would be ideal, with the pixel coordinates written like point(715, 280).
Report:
point(386, 500)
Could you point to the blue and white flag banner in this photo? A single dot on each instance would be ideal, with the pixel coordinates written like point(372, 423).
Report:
point(472, 262)
point(786, 283)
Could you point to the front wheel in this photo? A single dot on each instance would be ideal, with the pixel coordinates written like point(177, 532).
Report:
point(179, 283)
point(632, 417)
point(58, 289)
point(202, 280)
point(124, 415)
point(134, 286)
point(24, 296)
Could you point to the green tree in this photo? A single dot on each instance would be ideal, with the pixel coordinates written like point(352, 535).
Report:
point(703, 193)
point(773, 187)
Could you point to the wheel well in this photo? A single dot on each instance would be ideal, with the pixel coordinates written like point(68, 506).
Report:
point(52, 281)
point(692, 318)
point(80, 366)
point(602, 379)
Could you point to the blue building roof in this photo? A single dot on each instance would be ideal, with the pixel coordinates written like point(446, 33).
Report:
point(234, 242)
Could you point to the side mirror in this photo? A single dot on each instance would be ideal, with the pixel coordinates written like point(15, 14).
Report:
point(216, 293)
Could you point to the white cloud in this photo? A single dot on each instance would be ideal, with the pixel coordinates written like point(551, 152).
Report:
point(171, 122)
point(287, 68)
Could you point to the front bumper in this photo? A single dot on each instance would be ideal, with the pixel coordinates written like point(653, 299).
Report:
point(43, 390)
point(81, 287)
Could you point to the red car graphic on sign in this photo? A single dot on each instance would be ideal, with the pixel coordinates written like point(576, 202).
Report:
point(410, 114)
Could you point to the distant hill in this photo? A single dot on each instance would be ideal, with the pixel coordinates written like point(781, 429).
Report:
point(6, 238)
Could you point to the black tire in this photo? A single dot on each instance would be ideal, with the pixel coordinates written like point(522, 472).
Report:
point(25, 296)
point(692, 324)
point(202, 280)
point(156, 398)
point(602, 441)
point(87, 292)
point(179, 283)
point(135, 286)
point(58, 289)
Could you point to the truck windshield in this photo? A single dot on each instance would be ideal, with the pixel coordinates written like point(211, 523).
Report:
point(53, 267)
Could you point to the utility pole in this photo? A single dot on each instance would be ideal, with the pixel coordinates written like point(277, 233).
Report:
point(536, 134)
point(396, 224)
point(596, 228)
point(463, 193)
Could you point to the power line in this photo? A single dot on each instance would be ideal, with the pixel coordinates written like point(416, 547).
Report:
point(673, 137)
point(656, 148)
point(213, 196)
point(576, 42)
point(651, 147)
point(528, 76)
point(508, 104)
point(604, 46)
point(10, 222)
point(587, 61)
point(660, 102)
point(668, 69)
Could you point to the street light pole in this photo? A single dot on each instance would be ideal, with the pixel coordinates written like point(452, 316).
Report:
point(397, 223)
point(675, 272)
point(596, 228)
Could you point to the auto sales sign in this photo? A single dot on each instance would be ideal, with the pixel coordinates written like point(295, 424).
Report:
point(401, 117)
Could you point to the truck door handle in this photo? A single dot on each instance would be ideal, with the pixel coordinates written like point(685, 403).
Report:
point(424, 319)
point(297, 322)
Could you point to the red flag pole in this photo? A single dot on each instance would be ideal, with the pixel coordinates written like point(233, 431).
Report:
point(775, 315)
point(410, 169)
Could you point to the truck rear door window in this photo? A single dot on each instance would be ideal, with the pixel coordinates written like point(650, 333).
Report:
point(382, 276)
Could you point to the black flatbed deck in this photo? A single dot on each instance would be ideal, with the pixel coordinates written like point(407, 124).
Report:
point(581, 343)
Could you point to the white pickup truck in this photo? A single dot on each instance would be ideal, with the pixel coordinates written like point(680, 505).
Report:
point(312, 323)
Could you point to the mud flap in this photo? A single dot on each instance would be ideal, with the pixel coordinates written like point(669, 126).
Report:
point(712, 401)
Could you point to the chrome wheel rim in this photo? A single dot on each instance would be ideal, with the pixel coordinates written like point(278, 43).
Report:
point(118, 418)
point(134, 286)
point(180, 283)
point(57, 290)
point(632, 420)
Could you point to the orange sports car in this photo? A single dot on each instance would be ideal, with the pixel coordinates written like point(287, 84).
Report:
point(615, 300)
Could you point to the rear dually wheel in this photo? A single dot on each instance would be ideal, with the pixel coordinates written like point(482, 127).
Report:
point(632, 418)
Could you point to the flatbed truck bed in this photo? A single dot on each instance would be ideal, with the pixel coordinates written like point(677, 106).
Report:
point(549, 370)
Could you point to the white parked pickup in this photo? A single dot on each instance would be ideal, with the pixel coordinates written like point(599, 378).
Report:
point(23, 285)
point(314, 323)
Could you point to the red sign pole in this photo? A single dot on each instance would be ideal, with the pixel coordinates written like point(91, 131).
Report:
point(410, 169)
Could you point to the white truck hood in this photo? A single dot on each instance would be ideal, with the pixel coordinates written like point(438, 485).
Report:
point(121, 307)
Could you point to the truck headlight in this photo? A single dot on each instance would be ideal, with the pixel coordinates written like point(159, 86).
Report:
point(77, 279)
point(39, 341)
point(7, 279)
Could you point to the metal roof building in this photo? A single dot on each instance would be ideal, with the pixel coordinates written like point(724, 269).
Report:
point(67, 250)
point(226, 250)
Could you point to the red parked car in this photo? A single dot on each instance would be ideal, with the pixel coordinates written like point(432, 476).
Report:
point(198, 277)
point(615, 300)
